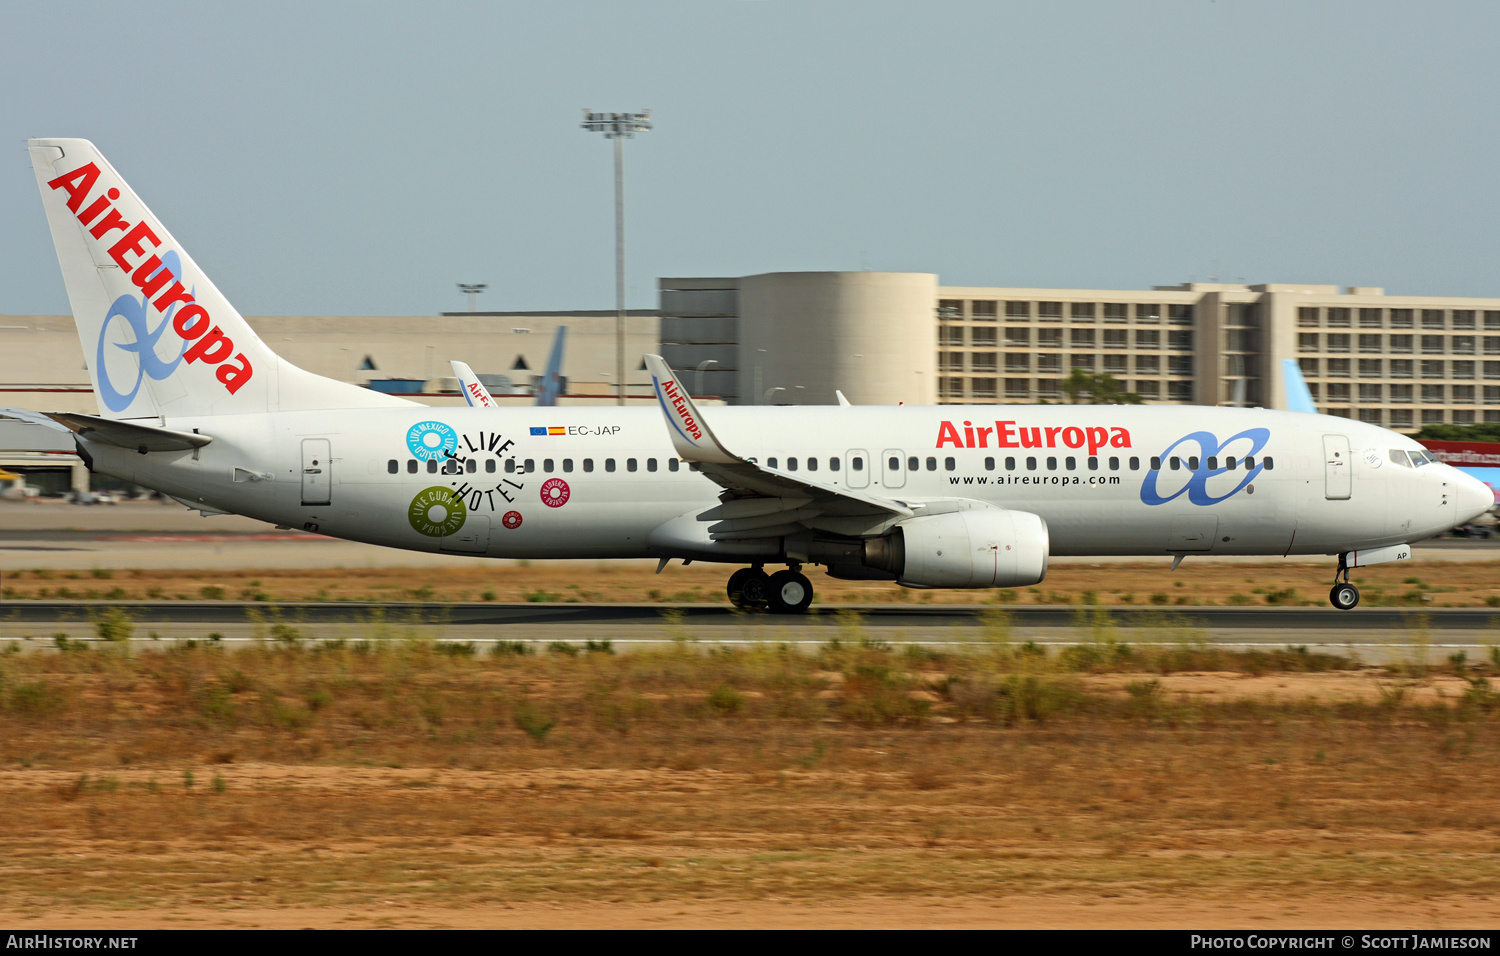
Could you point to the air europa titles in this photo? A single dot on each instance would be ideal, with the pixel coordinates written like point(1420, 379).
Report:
point(1009, 435)
point(680, 408)
point(159, 284)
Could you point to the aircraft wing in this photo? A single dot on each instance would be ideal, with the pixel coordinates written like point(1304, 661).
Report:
point(474, 391)
point(758, 501)
point(125, 434)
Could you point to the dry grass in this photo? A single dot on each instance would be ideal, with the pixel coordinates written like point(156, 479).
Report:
point(1429, 584)
point(348, 775)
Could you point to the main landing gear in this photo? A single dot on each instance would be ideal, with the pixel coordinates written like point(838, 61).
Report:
point(1343, 595)
point(785, 592)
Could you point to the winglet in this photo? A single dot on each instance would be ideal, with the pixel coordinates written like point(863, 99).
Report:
point(1298, 398)
point(474, 391)
point(840, 396)
point(690, 433)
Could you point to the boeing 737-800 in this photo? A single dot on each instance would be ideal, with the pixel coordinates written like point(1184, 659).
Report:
point(193, 404)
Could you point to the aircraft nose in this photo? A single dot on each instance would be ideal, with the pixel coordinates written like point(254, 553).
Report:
point(1474, 497)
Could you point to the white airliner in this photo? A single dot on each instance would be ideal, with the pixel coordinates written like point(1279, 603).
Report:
point(192, 403)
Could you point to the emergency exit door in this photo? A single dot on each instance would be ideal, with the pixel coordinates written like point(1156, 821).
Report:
point(1337, 468)
point(317, 472)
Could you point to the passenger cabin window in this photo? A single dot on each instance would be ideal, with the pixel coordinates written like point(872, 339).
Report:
point(1114, 464)
point(650, 464)
point(812, 464)
point(432, 466)
point(1213, 463)
point(1228, 464)
point(609, 464)
point(1193, 463)
point(1051, 464)
point(1070, 463)
point(1249, 462)
point(510, 465)
point(1135, 464)
point(672, 464)
point(833, 464)
point(989, 464)
point(471, 466)
point(913, 464)
point(530, 465)
point(770, 462)
point(932, 464)
point(1010, 464)
point(588, 464)
point(949, 464)
point(894, 464)
point(791, 464)
point(857, 463)
point(489, 465)
point(547, 465)
point(567, 464)
point(393, 466)
point(1093, 463)
point(450, 467)
point(630, 464)
point(1031, 464)
point(1270, 463)
point(411, 467)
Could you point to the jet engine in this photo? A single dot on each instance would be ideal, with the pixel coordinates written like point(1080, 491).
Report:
point(984, 548)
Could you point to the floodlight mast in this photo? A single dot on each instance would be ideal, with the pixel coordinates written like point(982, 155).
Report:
point(472, 290)
point(618, 126)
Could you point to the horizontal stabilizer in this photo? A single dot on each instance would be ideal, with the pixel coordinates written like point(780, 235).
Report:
point(142, 438)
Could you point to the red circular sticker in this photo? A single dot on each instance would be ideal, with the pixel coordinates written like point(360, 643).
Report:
point(555, 492)
point(512, 520)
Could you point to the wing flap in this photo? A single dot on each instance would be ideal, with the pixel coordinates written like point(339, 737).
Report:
point(143, 438)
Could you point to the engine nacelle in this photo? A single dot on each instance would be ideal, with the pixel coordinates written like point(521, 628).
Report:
point(988, 548)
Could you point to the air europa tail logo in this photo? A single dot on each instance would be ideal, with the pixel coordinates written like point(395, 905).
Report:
point(671, 397)
point(159, 279)
point(1011, 435)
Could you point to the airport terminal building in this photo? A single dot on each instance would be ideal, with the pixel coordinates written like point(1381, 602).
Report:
point(883, 338)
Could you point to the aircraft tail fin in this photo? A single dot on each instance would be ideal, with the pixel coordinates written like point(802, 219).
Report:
point(690, 433)
point(159, 338)
point(473, 389)
point(552, 379)
point(1298, 398)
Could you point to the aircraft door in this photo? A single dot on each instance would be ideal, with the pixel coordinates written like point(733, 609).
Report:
point(892, 468)
point(317, 472)
point(857, 468)
point(1337, 468)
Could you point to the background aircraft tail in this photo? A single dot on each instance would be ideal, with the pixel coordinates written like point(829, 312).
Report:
point(1298, 397)
point(158, 337)
point(552, 383)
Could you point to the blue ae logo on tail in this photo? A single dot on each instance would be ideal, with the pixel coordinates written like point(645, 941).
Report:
point(1209, 449)
point(147, 363)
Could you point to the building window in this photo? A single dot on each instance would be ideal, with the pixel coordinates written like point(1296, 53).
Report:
point(1148, 390)
point(1018, 338)
point(1432, 318)
point(955, 387)
point(1338, 392)
point(1083, 338)
point(1492, 394)
point(1401, 344)
point(1369, 318)
point(1371, 415)
point(1369, 368)
point(984, 336)
point(1401, 318)
point(1307, 317)
point(1492, 417)
point(950, 310)
point(1147, 339)
point(1049, 338)
point(1180, 314)
point(1180, 341)
point(1312, 389)
point(1492, 345)
point(983, 311)
point(951, 335)
point(982, 388)
point(982, 361)
point(1180, 365)
point(1082, 311)
point(1018, 310)
point(1180, 391)
point(1018, 388)
point(1463, 395)
point(1307, 341)
point(1082, 361)
point(1338, 368)
point(1401, 394)
point(1338, 318)
point(1432, 369)
point(1150, 313)
point(1400, 418)
point(1017, 362)
point(1049, 311)
point(1432, 416)
point(1463, 369)
point(1463, 345)
point(1369, 343)
point(1115, 312)
point(1309, 367)
point(1465, 417)
point(1047, 388)
point(1432, 345)
point(1492, 321)
point(1370, 394)
point(1463, 318)
point(1492, 370)
point(1338, 342)
point(1116, 339)
point(1432, 394)
point(1049, 362)
point(1400, 368)
point(1115, 364)
point(1148, 364)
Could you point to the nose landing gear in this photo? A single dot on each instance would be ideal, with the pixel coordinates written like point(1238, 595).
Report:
point(785, 592)
point(1343, 595)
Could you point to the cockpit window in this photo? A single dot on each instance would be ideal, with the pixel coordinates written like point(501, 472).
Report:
point(1420, 458)
point(1399, 457)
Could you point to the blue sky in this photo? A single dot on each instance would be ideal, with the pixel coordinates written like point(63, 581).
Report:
point(328, 158)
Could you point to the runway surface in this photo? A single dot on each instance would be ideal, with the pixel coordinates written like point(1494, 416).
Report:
point(1372, 635)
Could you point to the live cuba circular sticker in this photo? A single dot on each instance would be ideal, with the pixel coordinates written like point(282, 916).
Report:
point(436, 512)
point(428, 440)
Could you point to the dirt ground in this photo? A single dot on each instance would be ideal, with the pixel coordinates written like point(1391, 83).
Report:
point(418, 786)
point(1430, 584)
